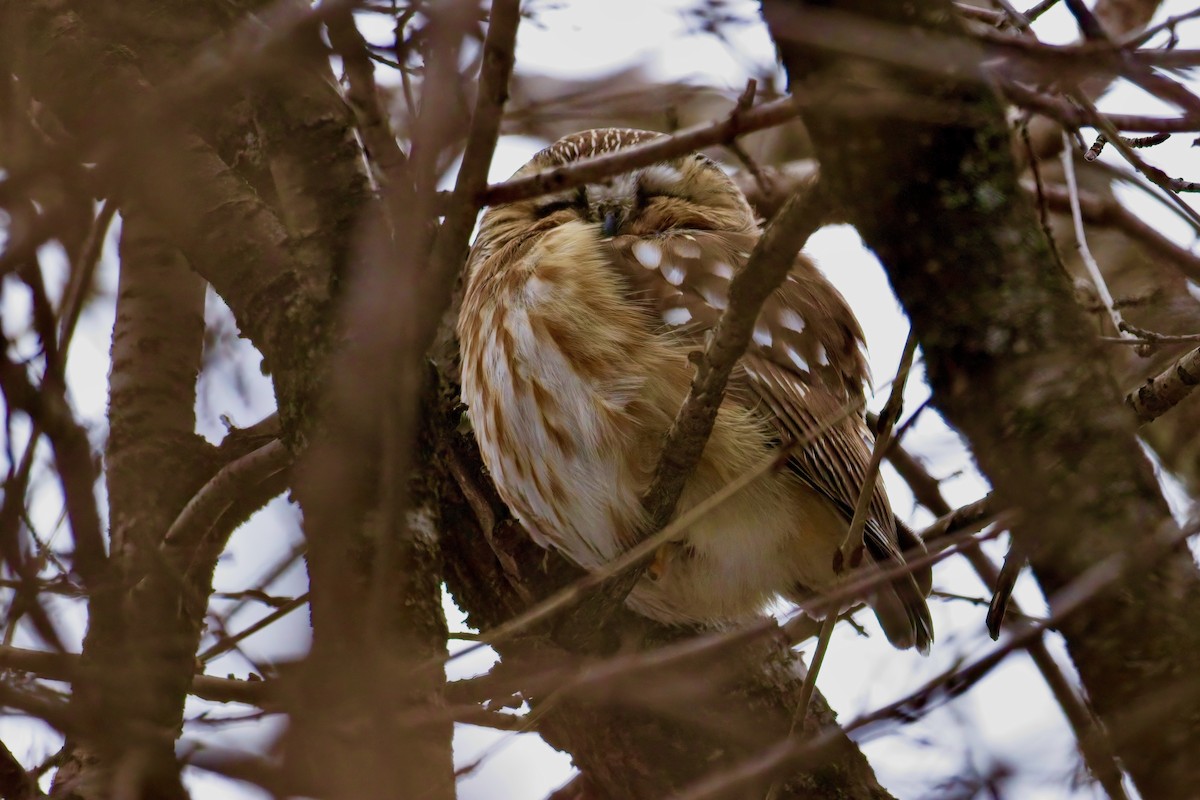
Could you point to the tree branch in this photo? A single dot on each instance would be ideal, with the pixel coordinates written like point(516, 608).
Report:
point(1164, 391)
point(1012, 333)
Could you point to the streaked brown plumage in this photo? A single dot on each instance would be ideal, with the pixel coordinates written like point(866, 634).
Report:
point(580, 312)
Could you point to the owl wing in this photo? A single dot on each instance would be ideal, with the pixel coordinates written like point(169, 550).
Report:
point(803, 369)
point(803, 366)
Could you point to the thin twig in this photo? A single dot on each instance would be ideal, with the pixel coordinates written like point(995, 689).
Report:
point(81, 275)
point(1085, 253)
point(378, 139)
point(1102, 211)
point(1040, 188)
point(1093, 743)
point(946, 686)
point(228, 643)
point(1136, 40)
point(1154, 174)
point(883, 439)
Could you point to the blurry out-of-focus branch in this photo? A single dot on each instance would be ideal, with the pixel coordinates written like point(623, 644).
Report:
point(47, 407)
point(66, 667)
point(1120, 18)
point(82, 272)
point(1094, 746)
point(250, 49)
point(225, 644)
point(374, 563)
point(1106, 211)
point(940, 689)
point(379, 141)
point(450, 249)
point(15, 782)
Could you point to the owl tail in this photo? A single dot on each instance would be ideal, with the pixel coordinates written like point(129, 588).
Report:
point(900, 606)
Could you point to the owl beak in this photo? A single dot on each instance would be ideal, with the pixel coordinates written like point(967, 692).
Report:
point(611, 222)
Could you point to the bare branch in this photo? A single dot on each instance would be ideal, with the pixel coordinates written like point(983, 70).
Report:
point(1097, 210)
point(66, 667)
point(15, 782)
point(221, 491)
point(378, 139)
point(794, 753)
point(1164, 391)
point(765, 270)
point(688, 140)
point(48, 408)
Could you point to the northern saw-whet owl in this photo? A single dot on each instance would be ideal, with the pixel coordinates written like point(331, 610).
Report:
point(580, 312)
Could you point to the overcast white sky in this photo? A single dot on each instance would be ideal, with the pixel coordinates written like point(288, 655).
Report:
point(1009, 718)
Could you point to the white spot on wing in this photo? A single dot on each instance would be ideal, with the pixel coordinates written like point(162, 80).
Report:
point(648, 254)
point(714, 298)
point(673, 273)
point(762, 335)
point(790, 319)
point(723, 269)
point(796, 358)
point(687, 249)
point(822, 356)
point(677, 316)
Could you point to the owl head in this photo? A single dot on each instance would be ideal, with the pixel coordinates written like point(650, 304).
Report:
point(689, 191)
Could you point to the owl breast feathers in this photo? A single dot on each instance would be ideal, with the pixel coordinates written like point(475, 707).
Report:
point(581, 310)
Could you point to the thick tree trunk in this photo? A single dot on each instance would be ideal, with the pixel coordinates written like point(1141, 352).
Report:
point(1012, 363)
point(140, 662)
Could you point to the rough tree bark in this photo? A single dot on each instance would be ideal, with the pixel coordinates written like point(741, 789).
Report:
point(140, 661)
point(1012, 365)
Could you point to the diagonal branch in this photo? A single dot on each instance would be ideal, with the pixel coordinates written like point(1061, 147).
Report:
point(766, 269)
point(47, 407)
point(697, 137)
point(941, 688)
point(1164, 391)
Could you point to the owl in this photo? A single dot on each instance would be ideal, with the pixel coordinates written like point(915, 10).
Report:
point(580, 314)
